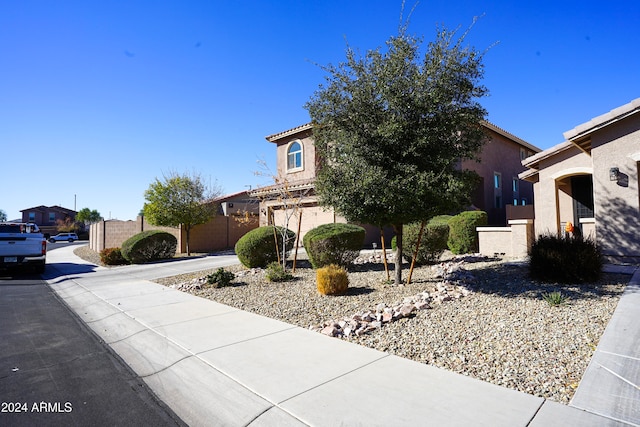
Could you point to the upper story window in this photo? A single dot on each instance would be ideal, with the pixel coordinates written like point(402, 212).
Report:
point(32, 216)
point(52, 217)
point(294, 156)
point(497, 190)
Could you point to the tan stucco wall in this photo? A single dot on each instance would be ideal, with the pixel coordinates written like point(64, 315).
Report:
point(312, 216)
point(513, 241)
point(308, 157)
point(617, 204)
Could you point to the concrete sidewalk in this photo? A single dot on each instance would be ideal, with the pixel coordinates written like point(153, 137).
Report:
point(216, 365)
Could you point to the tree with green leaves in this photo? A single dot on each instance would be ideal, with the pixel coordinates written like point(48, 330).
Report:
point(88, 216)
point(180, 199)
point(390, 128)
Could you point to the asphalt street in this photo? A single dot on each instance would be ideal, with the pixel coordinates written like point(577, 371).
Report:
point(54, 371)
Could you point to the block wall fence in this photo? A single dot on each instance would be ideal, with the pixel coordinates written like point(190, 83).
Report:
point(222, 232)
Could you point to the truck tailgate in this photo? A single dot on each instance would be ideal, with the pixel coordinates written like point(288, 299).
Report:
point(20, 245)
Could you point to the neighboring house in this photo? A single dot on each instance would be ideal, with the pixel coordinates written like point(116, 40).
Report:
point(297, 163)
point(591, 180)
point(501, 191)
point(47, 216)
point(237, 204)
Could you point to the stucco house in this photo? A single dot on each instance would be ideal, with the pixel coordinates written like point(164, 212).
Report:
point(501, 162)
point(591, 180)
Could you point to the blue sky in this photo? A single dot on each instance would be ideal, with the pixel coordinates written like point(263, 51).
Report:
point(97, 99)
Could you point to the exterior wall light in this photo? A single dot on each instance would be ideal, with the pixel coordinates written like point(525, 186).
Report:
point(614, 174)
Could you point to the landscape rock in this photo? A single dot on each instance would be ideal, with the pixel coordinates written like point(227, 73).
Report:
point(454, 285)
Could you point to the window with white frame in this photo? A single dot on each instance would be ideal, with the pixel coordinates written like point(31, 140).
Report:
point(294, 156)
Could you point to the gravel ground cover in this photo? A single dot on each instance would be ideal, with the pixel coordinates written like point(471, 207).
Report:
point(503, 331)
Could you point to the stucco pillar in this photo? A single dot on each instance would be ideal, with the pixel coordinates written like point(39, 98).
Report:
point(522, 236)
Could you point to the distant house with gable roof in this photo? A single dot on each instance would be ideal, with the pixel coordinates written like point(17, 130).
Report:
point(45, 216)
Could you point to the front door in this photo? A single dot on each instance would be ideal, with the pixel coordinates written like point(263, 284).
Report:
point(582, 193)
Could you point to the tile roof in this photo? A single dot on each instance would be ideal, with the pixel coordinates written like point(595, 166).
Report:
point(276, 136)
point(510, 136)
point(307, 126)
point(603, 120)
point(43, 208)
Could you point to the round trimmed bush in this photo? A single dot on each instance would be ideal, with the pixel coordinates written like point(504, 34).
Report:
point(433, 242)
point(257, 247)
point(335, 243)
point(151, 245)
point(463, 237)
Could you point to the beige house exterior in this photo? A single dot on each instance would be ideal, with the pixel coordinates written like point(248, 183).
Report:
point(591, 180)
point(297, 163)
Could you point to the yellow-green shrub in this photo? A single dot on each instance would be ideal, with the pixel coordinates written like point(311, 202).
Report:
point(332, 280)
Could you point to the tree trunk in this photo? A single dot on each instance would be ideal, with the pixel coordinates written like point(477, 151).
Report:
point(295, 254)
point(384, 254)
point(188, 231)
point(398, 272)
point(415, 253)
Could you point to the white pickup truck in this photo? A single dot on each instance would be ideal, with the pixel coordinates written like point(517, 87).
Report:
point(22, 244)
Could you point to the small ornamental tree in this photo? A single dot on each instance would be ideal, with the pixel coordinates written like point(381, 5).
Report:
point(180, 200)
point(390, 128)
point(66, 225)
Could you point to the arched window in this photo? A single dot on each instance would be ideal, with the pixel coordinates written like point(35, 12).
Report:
point(294, 156)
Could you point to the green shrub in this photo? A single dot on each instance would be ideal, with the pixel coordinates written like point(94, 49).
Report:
point(441, 219)
point(335, 243)
point(555, 298)
point(112, 256)
point(257, 247)
point(148, 246)
point(565, 259)
point(463, 237)
point(220, 278)
point(277, 273)
point(433, 242)
point(332, 280)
